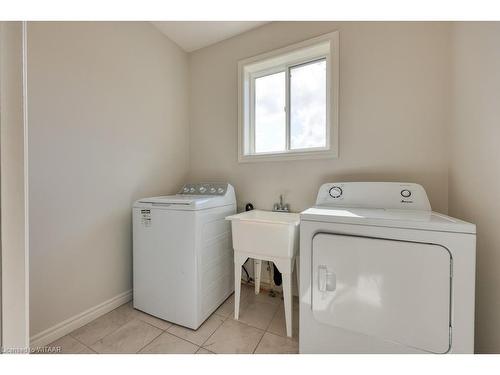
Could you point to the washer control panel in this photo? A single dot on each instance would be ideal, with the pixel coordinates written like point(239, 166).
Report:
point(204, 189)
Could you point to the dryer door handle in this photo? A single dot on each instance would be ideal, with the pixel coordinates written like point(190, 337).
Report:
point(327, 281)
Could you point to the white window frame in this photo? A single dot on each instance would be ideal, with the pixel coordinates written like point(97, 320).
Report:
point(322, 47)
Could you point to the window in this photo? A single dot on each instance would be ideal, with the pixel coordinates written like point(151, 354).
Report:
point(288, 102)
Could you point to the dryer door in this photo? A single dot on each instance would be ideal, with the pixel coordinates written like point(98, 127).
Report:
point(395, 290)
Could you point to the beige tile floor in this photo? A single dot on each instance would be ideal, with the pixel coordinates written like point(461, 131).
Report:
point(260, 329)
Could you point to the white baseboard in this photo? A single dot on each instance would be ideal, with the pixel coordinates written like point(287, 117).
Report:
point(61, 329)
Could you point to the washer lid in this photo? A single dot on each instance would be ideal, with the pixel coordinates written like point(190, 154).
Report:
point(393, 218)
point(182, 202)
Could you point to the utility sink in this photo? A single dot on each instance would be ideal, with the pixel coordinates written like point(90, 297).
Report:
point(269, 236)
point(266, 233)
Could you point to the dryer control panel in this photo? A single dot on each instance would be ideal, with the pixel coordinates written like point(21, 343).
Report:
point(389, 195)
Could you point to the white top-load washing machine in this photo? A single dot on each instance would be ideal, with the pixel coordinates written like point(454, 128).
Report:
point(381, 273)
point(182, 253)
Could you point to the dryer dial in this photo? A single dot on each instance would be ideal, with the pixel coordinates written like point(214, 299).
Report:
point(335, 192)
point(405, 193)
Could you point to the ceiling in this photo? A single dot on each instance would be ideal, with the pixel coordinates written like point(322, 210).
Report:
point(193, 35)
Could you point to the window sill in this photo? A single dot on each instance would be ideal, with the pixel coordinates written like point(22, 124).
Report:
point(283, 156)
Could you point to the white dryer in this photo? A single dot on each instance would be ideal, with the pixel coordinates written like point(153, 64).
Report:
point(182, 253)
point(381, 273)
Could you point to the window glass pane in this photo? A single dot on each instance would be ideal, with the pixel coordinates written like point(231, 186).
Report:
point(308, 105)
point(270, 120)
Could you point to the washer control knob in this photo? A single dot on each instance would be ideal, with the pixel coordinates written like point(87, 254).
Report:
point(192, 190)
point(213, 190)
point(405, 193)
point(220, 190)
point(335, 192)
point(203, 189)
point(186, 189)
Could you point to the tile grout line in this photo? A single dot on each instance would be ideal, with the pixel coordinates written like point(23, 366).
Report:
point(274, 316)
point(256, 346)
point(121, 325)
point(85, 345)
point(208, 338)
point(266, 330)
point(152, 325)
point(190, 342)
point(161, 333)
point(204, 349)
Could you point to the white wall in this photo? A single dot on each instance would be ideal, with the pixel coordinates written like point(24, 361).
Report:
point(108, 124)
point(475, 164)
point(14, 257)
point(394, 111)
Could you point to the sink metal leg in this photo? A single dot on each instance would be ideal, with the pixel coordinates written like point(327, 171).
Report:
point(257, 268)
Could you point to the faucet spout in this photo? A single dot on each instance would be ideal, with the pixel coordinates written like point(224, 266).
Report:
point(281, 206)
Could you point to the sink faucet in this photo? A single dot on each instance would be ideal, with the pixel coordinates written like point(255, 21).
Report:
point(281, 207)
